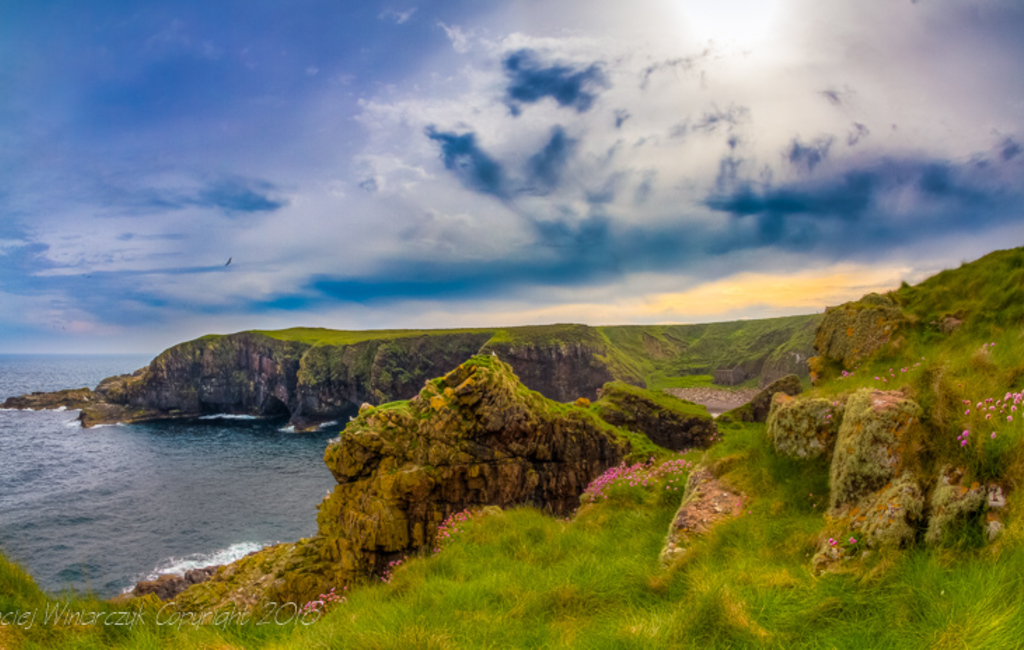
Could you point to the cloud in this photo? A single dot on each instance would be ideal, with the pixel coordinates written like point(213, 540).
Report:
point(458, 37)
point(858, 133)
point(530, 81)
point(711, 121)
point(238, 196)
point(399, 17)
point(686, 65)
point(473, 167)
point(871, 204)
point(809, 156)
point(621, 116)
point(837, 97)
point(544, 168)
point(1009, 149)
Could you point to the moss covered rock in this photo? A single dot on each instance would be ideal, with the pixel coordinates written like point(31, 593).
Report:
point(473, 438)
point(804, 428)
point(668, 421)
point(954, 505)
point(855, 330)
point(871, 443)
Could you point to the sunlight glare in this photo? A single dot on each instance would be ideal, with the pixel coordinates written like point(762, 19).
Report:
point(727, 22)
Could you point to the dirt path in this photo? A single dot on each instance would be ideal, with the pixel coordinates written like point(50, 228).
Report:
point(717, 400)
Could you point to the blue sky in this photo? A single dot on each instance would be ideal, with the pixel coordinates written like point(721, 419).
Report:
point(445, 164)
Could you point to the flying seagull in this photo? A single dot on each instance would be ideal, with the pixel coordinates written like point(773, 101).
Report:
point(229, 261)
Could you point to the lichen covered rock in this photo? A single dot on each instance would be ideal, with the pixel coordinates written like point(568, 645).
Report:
point(871, 443)
point(953, 504)
point(855, 330)
point(804, 428)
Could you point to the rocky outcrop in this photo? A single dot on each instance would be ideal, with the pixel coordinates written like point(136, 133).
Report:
point(74, 398)
point(757, 409)
point(706, 502)
point(855, 330)
point(475, 437)
point(668, 421)
point(167, 586)
point(804, 428)
point(332, 379)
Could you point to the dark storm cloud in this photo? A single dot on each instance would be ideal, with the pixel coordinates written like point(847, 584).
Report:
point(544, 169)
point(1009, 149)
point(473, 167)
point(809, 155)
point(530, 80)
point(849, 211)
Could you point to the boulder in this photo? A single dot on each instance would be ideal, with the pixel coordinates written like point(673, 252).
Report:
point(758, 408)
point(855, 330)
point(953, 504)
point(804, 428)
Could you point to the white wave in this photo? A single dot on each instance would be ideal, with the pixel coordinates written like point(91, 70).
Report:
point(288, 429)
point(228, 416)
point(179, 565)
point(328, 424)
point(61, 408)
point(107, 424)
point(73, 423)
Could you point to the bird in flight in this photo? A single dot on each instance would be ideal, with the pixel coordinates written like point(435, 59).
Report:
point(229, 262)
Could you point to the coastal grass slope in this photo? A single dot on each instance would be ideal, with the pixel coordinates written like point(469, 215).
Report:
point(954, 345)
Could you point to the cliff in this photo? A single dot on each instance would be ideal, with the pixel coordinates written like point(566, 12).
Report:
point(312, 376)
point(472, 438)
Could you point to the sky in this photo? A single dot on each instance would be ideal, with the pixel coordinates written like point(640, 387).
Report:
point(171, 169)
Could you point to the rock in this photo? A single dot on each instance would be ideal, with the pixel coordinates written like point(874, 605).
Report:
point(706, 501)
point(475, 438)
point(668, 421)
point(74, 398)
point(873, 491)
point(855, 330)
point(759, 406)
point(168, 586)
point(804, 428)
point(871, 443)
point(953, 504)
point(561, 362)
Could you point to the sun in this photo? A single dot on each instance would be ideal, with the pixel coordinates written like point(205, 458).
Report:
point(727, 22)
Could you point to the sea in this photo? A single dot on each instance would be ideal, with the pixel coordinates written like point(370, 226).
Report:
point(96, 510)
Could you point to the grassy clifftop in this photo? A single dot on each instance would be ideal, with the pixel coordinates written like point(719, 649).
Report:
point(901, 377)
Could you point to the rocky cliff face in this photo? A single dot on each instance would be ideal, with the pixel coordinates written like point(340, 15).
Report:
point(855, 330)
point(668, 421)
point(560, 362)
point(334, 379)
point(475, 437)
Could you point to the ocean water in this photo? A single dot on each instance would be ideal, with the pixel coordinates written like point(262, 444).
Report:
point(99, 509)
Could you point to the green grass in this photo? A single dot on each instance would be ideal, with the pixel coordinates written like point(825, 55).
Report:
point(522, 579)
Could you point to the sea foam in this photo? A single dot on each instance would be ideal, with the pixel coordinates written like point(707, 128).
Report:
point(179, 565)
